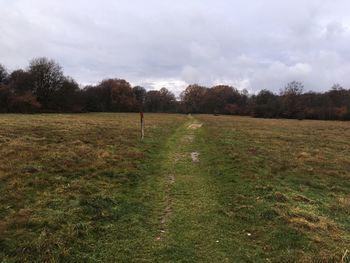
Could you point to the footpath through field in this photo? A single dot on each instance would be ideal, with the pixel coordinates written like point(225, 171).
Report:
point(188, 229)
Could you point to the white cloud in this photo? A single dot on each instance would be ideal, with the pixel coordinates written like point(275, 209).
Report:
point(175, 85)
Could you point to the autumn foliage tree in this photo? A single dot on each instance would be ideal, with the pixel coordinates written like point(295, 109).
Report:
point(193, 98)
point(123, 97)
point(119, 95)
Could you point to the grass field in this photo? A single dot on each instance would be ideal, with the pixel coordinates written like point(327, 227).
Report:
point(84, 188)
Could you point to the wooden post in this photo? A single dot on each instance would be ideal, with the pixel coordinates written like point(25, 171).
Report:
point(142, 125)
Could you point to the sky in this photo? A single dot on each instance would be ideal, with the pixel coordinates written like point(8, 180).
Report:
point(251, 44)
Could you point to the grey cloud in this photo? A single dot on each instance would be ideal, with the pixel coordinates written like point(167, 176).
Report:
point(252, 45)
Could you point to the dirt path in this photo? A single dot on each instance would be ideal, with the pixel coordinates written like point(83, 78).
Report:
point(183, 137)
point(186, 226)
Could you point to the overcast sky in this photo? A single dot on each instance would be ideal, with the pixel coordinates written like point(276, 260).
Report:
point(252, 44)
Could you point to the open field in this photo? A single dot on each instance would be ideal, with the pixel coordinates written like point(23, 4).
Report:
point(202, 188)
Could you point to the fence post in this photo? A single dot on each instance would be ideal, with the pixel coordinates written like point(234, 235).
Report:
point(142, 125)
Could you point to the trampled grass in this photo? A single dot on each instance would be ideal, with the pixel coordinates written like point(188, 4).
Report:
point(83, 188)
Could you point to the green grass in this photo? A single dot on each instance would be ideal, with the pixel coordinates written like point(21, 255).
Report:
point(79, 188)
point(283, 181)
point(84, 188)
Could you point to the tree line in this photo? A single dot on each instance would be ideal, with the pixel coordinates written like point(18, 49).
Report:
point(43, 87)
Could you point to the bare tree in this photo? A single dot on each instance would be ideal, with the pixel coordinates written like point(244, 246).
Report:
point(47, 78)
point(290, 100)
point(3, 74)
point(293, 88)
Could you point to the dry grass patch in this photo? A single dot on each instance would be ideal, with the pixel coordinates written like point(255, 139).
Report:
point(195, 126)
point(74, 185)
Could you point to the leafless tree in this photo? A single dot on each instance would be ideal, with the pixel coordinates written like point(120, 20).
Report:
point(47, 78)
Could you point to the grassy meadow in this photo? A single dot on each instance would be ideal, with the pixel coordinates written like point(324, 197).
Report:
point(78, 188)
point(283, 186)
point(84, 188)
